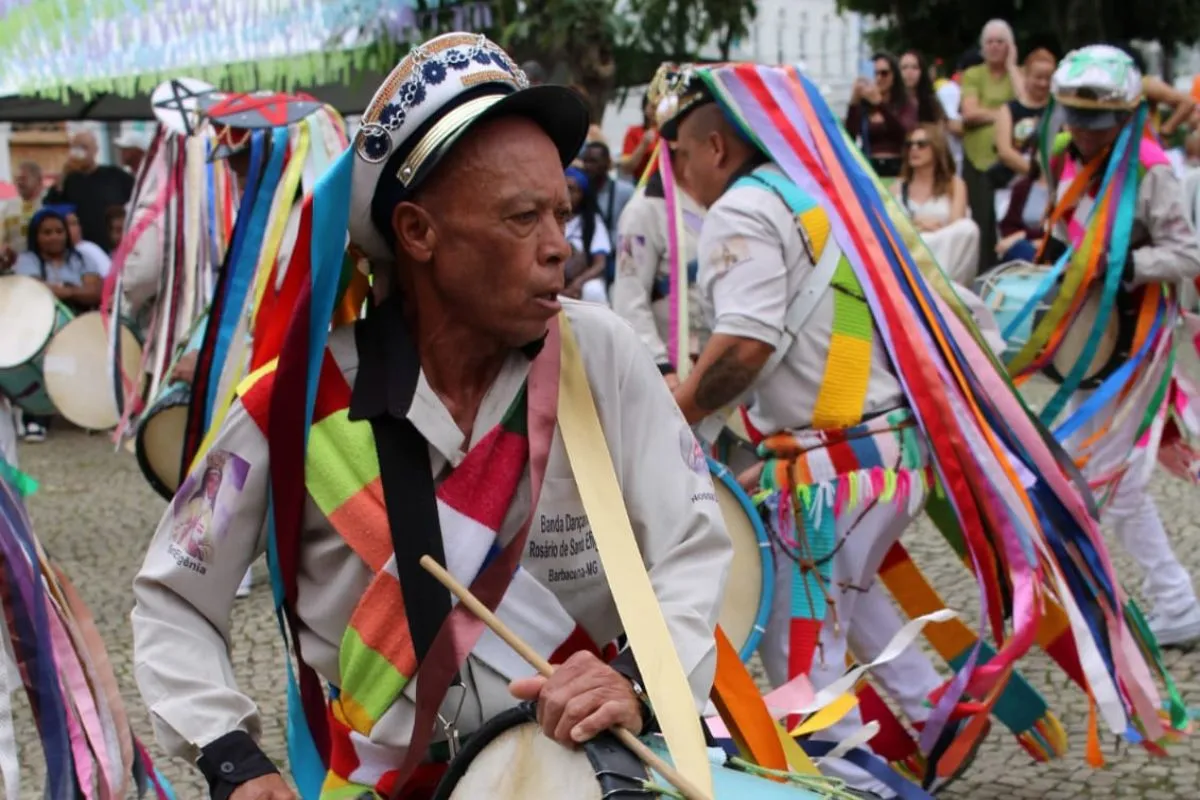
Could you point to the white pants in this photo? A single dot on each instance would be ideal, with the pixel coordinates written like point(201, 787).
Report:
point(1166, 585)
point(866, 622)
point(956, 249)
point(8, 432)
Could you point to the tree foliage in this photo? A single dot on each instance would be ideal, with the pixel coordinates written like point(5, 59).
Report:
point(605, 44)
point(946, 28)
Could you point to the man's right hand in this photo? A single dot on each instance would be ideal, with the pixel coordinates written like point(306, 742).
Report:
point(268, 787)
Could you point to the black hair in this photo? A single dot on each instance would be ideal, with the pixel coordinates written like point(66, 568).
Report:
point(929, 108)
point(31, 237)
point(598, 145)
point(898, 95)
point(971, 57)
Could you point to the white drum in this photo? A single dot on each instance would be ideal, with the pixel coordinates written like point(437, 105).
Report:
point(81, 381)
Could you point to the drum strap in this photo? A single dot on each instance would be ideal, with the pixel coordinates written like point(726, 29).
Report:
point(638, 607)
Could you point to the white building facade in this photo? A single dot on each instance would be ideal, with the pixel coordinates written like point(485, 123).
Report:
point(829, 45)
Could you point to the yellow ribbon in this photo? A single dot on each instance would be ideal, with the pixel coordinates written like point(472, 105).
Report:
point(281, 210)
point(641, 616)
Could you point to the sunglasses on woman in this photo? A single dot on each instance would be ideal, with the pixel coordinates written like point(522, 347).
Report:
point(917, 144)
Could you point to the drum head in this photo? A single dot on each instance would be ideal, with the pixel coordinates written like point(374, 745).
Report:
point(160, 448)
point(742, 609)
point(1076, 338)
point(77, 373)
point(28, 312)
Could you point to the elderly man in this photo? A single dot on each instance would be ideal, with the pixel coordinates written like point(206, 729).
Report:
point(18, 212)
point(434, 433)
point(92, 188)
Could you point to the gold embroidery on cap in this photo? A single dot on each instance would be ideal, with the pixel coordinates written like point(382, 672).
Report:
point(488, 76)
point(441, 131)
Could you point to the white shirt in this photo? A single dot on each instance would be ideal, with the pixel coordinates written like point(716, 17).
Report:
point(601, 243)
point(950, 96)
point(95, 257)
point(752, 262)
point(643, 261)
point(181, 619)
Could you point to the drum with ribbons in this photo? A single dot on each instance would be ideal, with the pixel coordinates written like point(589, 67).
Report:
point(86, 387)
point(748, 592)
point(1011, 293)
point(162, 429)
point(509, 758)
point(29, 318)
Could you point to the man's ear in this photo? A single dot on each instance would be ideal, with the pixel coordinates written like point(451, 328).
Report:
point(719, 147)
point(415, 235)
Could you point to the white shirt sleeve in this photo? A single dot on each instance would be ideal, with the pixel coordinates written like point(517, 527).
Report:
point(742, 270)
point(601, 241)
point(950, 96)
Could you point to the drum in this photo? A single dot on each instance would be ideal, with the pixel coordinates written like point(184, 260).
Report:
point(1112, 349)
point(509, 758)
point(79, 378)
point(29, 317)
point(1005, 291)
point(162, 430)
point(159, 443)
point(750, 586)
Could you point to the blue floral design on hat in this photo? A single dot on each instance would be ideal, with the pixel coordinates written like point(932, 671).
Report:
point(434, 72)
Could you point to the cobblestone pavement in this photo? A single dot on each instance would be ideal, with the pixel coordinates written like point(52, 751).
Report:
point(95, 514)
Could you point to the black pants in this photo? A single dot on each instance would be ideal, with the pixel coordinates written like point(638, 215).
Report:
point(981, 197)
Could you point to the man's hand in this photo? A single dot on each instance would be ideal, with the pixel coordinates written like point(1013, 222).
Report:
point(583, 698)
point(185, 368)
point(268, 787)
point(672, 381)
point(749, 479)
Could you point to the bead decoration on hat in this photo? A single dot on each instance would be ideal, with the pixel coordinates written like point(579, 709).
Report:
point(430, 69)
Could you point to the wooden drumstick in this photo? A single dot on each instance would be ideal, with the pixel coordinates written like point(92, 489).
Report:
point(546, 669)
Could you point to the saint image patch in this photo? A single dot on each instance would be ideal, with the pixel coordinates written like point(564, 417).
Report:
point(201, 509)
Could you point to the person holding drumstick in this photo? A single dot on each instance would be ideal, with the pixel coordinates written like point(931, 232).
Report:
point(436, 416)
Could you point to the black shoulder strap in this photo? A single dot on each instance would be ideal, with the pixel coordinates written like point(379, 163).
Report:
point(410, 496)
point(904, 194)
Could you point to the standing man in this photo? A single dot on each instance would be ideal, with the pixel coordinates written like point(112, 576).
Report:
point(131, 149)
point(18, 212)
point(440, 397)
point(611, 194)
point(92, 188)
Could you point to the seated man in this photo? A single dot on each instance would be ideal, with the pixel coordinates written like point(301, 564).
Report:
point(450, 383)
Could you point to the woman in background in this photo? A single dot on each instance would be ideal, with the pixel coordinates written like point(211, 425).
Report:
point(1017, 121)
point(880, 116)
point(918, 87)
point(590, 244)
point(1023, 226)
point(987, 88)
point(936, 200)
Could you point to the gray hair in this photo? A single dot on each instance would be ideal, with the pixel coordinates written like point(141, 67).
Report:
point(31, 167)
point(997, 24)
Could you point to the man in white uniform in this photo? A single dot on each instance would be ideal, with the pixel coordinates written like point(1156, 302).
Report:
point(437, 379)
point(756, 253)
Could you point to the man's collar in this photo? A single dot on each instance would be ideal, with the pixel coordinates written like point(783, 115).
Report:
point(752, 163)
point(389, 366)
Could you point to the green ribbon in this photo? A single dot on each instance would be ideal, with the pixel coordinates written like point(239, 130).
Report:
point(24, 484)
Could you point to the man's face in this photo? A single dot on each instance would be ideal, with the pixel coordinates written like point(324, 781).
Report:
point(497, 261)
point(83, 149)
point(29, 183)
point(1092, 143)
point(699, 158)
point(596, 164)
